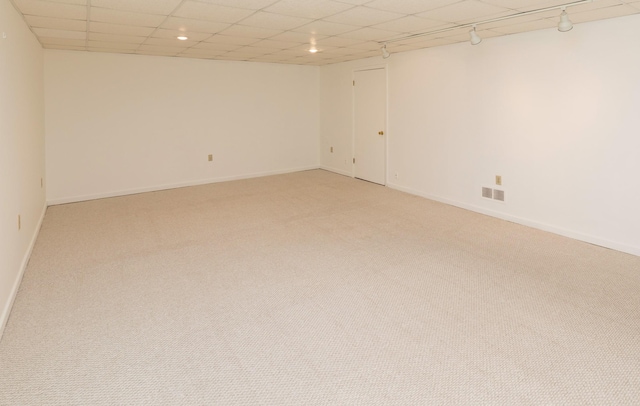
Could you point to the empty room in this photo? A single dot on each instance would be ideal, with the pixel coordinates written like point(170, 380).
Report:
point(319, 202)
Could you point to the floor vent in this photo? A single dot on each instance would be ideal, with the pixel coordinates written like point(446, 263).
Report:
point(487, 192)
point(498, 195)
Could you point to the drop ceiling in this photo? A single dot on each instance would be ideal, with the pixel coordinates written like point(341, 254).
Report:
point(283, 31)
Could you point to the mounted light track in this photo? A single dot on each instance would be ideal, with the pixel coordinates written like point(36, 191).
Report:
point(564, 25)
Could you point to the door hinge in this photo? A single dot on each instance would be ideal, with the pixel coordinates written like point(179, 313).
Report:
point(354, 82)
point(354, 160)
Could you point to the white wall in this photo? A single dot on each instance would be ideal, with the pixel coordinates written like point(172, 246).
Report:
point(118, 124)
point(557, 115)
point(21, 150)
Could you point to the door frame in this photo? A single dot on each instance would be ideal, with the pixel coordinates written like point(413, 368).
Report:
point(386, 116)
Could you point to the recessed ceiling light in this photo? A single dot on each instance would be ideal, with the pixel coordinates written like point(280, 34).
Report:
point(313, 50)
point(183, 37)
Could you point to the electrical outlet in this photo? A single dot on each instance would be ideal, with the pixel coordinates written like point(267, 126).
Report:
point(332, 150)
point(498, 180)
point(396, 175)
point(19, 223)
point(210, 157)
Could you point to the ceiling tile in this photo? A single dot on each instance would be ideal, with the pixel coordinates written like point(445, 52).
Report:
point(411, 24)
point(211, 46)
point(464, 11)
point(111, 50)
point(371, 34)
point(526, 5)
point(410, 6)
point(338, 41)
point(355, 2)
point(363, 16)
point(282, 31)
point(232, 57)
point(156, 52)
point(166, 42)
point(243, 53)
point(418, 43)
point(521, 20)
point(251, 32)
point(53, 33)
point(268, 43)
point(77, 2)
point(173, 34)
point(189, 24)
point(314, 9)
point(97, 36)
point(322, 27)
point(366, 46)
point(539, 24)
point(160, 49)
point(200, 53)
point(246, 4)
point(592, 6)
point(304, 48)
point(603, 13)
point(52, 9)
point(64, 47)
point(211, 12)
point(56, 23)
point(62, 41)
point(229, 40)
point(274, 21)
point(294, 52)
point(463, 35)
point(120, 29)
point(163, 7)
point(293, 36)
point(270, 57)
point(105, 15)
point(112, 45)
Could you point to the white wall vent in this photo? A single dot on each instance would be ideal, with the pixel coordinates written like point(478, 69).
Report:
point(498, 195)
point(487, 192)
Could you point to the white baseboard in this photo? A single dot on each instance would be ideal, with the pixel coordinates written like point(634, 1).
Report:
point(525, 222)
point(82, 198)
point(6, 311)
point(338, 171)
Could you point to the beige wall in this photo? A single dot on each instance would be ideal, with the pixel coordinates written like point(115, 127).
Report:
point(118, 124)
point(21, 150)
point(555, 114)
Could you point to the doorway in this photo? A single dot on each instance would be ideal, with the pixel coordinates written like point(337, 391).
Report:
point(370, 118)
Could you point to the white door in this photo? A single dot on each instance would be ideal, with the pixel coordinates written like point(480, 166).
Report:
point(370, 112)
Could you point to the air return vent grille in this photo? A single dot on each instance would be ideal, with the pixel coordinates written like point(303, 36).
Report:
point(498, 195)
point(487, 192)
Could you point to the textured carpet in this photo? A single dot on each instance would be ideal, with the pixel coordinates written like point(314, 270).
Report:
point(315, 289)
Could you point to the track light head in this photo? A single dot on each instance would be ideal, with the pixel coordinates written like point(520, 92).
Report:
point(385, 53)
point(565, 24)
point(475, 38)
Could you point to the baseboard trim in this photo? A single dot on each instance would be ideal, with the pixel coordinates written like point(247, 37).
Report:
point(524, 221)
point(338, 171)
point(75, 199)
point(6, 311)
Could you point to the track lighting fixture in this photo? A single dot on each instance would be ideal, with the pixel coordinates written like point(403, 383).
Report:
point(385, 53)
point(565, 24)
point(475, 38)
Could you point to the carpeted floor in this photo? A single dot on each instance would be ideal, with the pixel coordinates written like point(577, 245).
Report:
point(315, 289)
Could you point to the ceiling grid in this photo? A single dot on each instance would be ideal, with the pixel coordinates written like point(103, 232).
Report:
point(284, 31)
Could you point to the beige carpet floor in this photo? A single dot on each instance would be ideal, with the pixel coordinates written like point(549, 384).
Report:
point(315, 289)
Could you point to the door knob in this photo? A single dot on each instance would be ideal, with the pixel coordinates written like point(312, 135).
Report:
point(380, 132)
